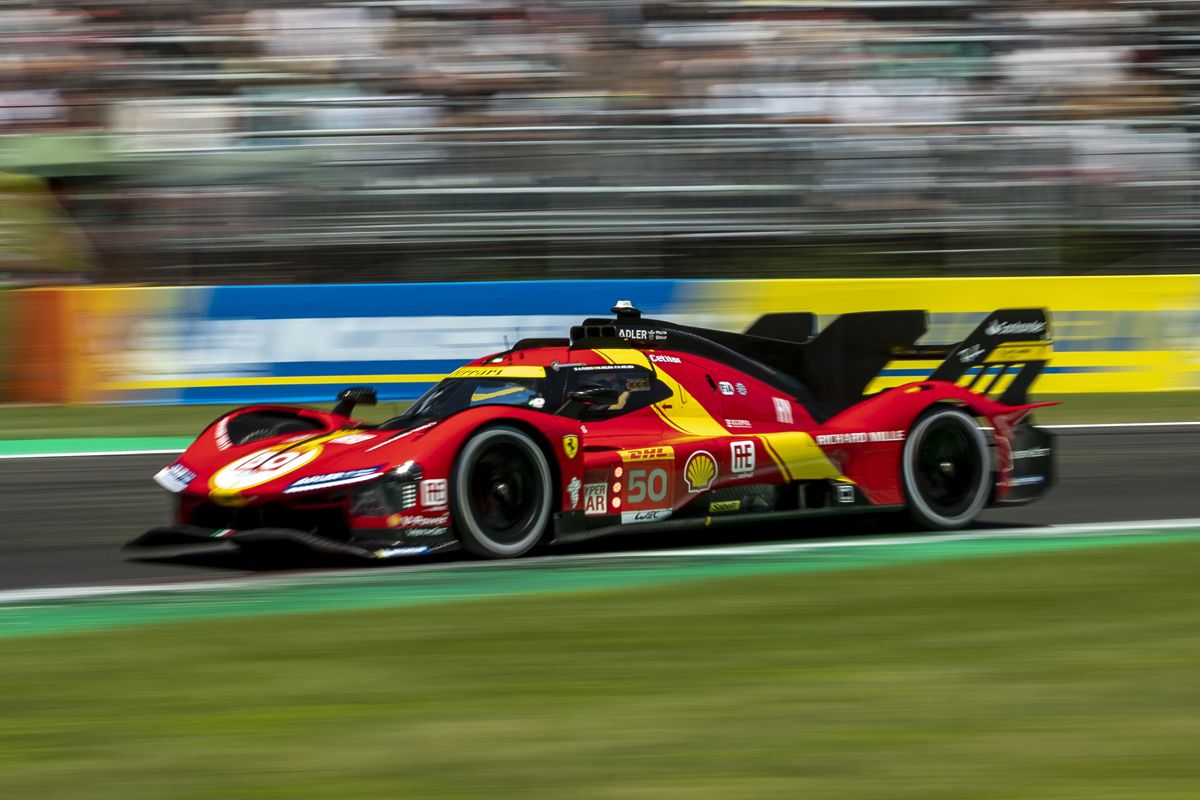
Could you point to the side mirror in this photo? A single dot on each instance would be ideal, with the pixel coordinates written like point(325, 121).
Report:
point(596, 396)
point(586, 397)
point(354, 396)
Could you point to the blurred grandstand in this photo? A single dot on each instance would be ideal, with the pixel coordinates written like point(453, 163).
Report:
point(245, 141)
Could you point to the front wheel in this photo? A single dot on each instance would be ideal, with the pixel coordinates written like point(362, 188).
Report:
point(501, 493)
point(946, 469)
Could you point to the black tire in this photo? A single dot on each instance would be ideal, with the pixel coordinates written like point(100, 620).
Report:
point(946, 469)
point(501, 493)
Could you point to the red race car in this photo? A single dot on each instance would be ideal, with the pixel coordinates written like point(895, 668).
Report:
point(635, 423)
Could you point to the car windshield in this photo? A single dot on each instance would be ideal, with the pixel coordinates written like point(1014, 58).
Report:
point(457, 394)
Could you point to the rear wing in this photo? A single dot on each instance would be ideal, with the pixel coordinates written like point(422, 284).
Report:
point(1002, 356)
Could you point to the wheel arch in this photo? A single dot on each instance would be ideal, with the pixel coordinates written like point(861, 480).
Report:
point(539, 438)
point(989, 456)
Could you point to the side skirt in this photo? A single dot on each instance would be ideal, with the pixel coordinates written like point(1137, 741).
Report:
point(719, 520)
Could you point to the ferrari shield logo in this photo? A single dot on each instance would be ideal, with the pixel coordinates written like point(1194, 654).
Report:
point(571, 445)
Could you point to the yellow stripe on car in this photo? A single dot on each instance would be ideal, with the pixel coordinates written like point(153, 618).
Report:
point(681, 411)
point(798, 456)
point(499, 372)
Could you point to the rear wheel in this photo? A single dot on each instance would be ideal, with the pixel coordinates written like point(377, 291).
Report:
point(501, 493)
point(945, 469)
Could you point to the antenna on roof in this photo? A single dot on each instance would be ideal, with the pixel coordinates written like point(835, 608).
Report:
point(624, 309)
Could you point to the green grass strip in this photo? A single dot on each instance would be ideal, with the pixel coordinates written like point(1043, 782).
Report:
point(1036, 675)
point(401, 588)
point(24, 447)
point(109, 421)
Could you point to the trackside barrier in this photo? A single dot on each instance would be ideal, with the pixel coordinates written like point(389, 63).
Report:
point(238, 344)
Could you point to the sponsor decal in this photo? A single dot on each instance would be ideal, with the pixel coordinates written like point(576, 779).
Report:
point(573, 490)
point(570, 445)
point(418, 521)
point(783, 410)
point(262, 466)
point(642, 334)
point(863, 437)
point(604, 367)
point(390, 552)
point(175, 478)
point(222, 434)
point(595, 499)
point(657, 359)
point(435, 493)
point(969, 354)
point(726, 388)
point(648, 454)
point(738, 423)
point(700, 471)
point(1028, 480)
point(496, 372)
point(353, 438)
point(330, 479)
point(1035, 452)
point(425, 532)
point(844, 493)
point(741, 456)
point(741, 389)
point(724, 505)
point(649, 515)
point(999, 328)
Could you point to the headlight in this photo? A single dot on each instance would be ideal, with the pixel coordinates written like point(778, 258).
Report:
point(408, 471)
point(401, 485)
point(396, 492)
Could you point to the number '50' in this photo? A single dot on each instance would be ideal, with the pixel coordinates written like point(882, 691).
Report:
point(647, 483)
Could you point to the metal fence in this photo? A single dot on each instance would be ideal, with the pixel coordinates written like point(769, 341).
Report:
point(739, 199)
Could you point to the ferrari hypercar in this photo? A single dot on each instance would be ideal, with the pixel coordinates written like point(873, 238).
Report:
point(633, 424)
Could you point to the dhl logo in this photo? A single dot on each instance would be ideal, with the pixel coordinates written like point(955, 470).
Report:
point(649, 454)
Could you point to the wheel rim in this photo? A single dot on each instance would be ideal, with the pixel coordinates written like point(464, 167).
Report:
point(948, 469)
point(503, 492)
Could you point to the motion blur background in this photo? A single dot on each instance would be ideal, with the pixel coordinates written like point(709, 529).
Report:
point(411, 169)
point(250, 141)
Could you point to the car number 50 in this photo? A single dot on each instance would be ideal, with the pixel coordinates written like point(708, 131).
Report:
point(647, 483)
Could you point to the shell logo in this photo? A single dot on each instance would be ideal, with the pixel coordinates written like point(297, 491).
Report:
point(700, 471)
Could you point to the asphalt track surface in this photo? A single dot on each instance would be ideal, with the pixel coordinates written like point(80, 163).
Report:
point(63, 520)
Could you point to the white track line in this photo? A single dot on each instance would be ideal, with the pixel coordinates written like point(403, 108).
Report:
point(1101, 426)
point(17, 596)
point(1083, 427)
